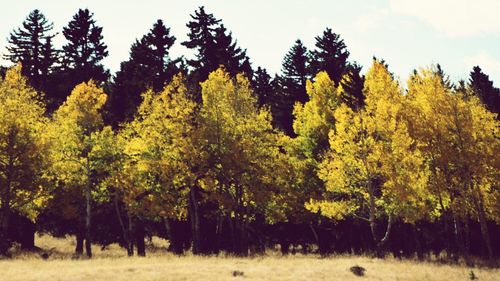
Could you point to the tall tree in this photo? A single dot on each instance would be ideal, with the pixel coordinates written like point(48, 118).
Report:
point(155, 176)
point(292, 83)
point(330, 55)
point(78, 133)
point(149, 66)
point(373, 169)
point(32, 46)
point(234, 59)
point(214, 46)
point(457, 135)
point(263, 87)
point(352, 87)
point(84, 50)
point(23, 152)
point(483, 88)
point(295, 72)
point(240, 148)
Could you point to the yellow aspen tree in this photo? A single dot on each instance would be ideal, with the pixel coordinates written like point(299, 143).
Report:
point(24, 186)
point(240, 147)
point(75, 130)
point(155, 174)
point(313, 121)
point(373, 168)
point(457, 136)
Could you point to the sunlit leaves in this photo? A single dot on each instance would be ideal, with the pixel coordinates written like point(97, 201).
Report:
point(24, 186)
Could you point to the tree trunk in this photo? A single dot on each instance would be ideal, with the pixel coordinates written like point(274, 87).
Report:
point(125, 234)
point(88, 213)
point(176, 245)
point(418, 245)
point(195, 220)
point(139, 237)
point(5, 242)
point(459, 239)
point(372, 219)
point(79, 243)
point(484, 231)
point(467, 239)
point(242, 238)
point(130, 246)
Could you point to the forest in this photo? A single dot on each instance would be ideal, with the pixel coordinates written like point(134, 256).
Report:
point(217, 155)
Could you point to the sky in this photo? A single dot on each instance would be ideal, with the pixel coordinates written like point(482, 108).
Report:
point(407, 34)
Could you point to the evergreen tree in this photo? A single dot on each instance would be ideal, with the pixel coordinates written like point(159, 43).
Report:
point(263, 88)
point(201, 38)
point(296, 72)
point(149, 66)
point(31, 45)
point(229, 54)
point(352, 84)
point(214, 46)
point(85, 50)
point(330, 55)
point(483, 88)
point(292, 83)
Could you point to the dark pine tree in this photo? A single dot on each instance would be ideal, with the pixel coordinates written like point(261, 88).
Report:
point(262, 86)
point(214, 46)
point(32, 46)
point(201, 38)
point(229, 54)
point(483, 88)
point(291, 85)
point(85, 49)
point(353, 83)
point(330, 55)
point(295, 72)
point(81, 56)
point(149, 66)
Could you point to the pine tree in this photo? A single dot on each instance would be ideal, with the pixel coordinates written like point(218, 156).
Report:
point(483, 88)
point(292, 84)
point(214, 46)
point(201, 38)
point(229, 54)
point(262, 85)
point(85, 50)
point(330, 55)
point(149, 66)
point(352, 84)
point(32, 46)
point(296, 72)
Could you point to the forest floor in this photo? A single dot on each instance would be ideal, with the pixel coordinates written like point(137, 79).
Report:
point(113, 264)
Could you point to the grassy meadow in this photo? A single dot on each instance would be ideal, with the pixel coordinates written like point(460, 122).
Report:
point(113, 264)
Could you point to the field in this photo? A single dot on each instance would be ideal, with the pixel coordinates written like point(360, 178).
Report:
point(112, 264)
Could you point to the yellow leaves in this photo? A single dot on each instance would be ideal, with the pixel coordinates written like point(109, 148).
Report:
point(335, 210)
point(314, 119)
point(23, 145)
point(374, 147)
point(83, 107)
point(158, 150)
point(456, 135)
point(239, 146)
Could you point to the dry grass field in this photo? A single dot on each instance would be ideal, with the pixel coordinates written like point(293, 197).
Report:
point(112, 264)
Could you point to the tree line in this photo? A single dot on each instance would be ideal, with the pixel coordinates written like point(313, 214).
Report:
point(217, 156)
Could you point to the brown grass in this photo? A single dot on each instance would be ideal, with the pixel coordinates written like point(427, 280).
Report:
point(112, 264)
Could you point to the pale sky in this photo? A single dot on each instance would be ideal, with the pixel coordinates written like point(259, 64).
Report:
point(408, 34)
